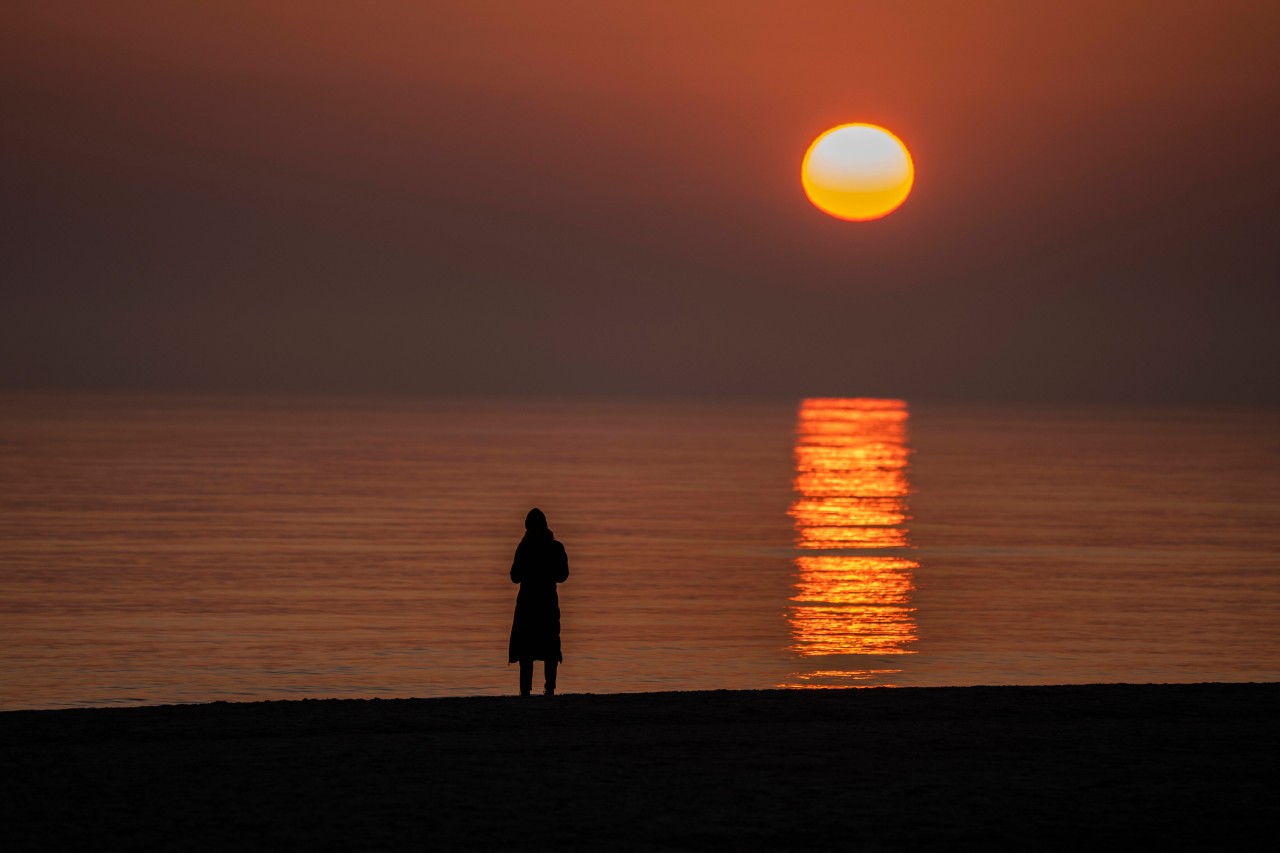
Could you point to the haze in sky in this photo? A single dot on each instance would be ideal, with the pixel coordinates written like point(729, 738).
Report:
point(596, 198)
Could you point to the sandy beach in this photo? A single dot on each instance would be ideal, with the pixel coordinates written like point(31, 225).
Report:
point(1166, 766)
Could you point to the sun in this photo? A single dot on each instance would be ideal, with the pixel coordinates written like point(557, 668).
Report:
point(857, 172)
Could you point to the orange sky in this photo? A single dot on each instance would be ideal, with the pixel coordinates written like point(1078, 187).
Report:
point(604, 198)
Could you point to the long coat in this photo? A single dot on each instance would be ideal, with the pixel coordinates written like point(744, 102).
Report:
point(539, 565)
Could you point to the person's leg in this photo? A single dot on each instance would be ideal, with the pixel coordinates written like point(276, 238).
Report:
point(526, 677)
point(551, 675)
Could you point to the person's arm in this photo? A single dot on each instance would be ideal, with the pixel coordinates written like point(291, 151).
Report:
point(562, 565)
point(517, 567)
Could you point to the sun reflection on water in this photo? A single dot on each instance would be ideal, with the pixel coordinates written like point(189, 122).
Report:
point(851, 488)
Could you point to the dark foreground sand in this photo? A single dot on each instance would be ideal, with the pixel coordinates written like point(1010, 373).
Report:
point(1170, 766)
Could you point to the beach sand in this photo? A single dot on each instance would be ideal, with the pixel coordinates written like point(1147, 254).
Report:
point(1073, 767)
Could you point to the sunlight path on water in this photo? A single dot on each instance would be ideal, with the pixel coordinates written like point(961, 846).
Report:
point(851, 488)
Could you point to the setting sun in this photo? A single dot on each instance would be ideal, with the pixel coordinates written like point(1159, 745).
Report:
point(857, 172)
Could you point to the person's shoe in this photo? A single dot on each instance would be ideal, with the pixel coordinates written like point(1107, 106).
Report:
point(524, 692)
point(550, 691)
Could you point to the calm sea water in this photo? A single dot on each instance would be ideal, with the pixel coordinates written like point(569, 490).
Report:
point(174, 550)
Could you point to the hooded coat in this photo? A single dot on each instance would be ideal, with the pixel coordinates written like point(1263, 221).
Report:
point(540, 563)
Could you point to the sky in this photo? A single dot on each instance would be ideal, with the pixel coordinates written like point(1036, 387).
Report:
point(604, 199)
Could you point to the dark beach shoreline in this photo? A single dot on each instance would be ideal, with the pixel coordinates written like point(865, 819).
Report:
point(1069, 767)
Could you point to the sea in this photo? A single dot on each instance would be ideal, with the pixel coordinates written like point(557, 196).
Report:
point(165, 549)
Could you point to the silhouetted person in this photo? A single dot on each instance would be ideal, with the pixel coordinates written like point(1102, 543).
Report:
point(540, 564)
